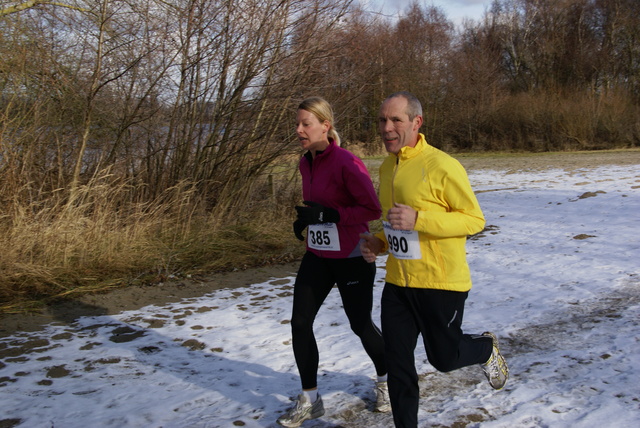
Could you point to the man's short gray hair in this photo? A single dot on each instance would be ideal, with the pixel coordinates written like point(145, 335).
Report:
point(414, 108)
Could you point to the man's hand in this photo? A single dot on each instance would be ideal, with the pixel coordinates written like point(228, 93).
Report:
point(370, 246)
point(402, 217)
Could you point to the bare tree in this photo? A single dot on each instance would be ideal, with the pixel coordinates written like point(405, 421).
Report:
point(25, 5)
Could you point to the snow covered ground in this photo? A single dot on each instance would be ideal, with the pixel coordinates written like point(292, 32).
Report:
point(556, 277)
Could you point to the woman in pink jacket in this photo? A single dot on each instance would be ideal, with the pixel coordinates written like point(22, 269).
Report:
point(339, 201)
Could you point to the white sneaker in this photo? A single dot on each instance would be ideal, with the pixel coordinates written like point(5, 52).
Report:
point(302, 411)
point(495, 369)
point(382, 397)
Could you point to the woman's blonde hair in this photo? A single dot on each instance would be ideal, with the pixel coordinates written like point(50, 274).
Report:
point(320, 108)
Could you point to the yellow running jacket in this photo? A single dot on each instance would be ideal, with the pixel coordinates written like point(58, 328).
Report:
point(437, 186)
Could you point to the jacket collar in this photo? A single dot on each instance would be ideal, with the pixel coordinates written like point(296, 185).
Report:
point(409, 152)
point(325, 152)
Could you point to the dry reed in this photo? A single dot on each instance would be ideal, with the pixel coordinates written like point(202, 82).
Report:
point(106, 238)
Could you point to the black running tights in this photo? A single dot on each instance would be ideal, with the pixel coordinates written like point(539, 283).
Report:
point(316, 277)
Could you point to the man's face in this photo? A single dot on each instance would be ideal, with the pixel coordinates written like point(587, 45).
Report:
point(395, 127)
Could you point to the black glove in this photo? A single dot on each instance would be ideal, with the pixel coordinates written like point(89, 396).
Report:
point(315, 213)
point(298, 227)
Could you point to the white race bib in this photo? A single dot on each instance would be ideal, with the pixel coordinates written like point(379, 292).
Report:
point(403, 244)
point(323, 237)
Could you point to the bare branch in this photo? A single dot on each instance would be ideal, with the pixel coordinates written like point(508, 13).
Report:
point(33, 3)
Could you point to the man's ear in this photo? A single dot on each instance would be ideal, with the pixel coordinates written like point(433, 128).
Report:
point(417, 122)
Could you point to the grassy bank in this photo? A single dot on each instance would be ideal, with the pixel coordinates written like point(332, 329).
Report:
point(107, 240)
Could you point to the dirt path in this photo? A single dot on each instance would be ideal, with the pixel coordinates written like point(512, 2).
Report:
point(138, 296)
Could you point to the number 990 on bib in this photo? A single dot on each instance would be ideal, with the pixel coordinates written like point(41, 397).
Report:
point(403, 244)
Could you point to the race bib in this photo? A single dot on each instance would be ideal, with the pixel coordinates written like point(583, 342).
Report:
point(403, 244)
point(323, 237)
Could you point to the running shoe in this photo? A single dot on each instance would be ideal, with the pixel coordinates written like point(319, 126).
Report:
point(495, 368)
point(302, 411)
point(382, 398)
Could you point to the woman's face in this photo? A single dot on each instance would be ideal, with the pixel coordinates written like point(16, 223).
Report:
point(312, 133)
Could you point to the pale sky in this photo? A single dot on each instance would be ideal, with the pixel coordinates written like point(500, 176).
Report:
point(455, 10)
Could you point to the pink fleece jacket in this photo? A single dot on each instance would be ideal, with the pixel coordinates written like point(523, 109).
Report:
point(338, 179)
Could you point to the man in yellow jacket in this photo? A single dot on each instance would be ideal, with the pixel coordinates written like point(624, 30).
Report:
point(429, 209)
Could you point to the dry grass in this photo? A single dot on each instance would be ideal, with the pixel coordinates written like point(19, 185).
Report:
point(106, 239)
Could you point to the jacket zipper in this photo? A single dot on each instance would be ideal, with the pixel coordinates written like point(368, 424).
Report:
point(311, 170)
point(393, 200)
point(393, 179)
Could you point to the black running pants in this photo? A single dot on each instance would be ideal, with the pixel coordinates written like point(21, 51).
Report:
point(437, 315)
point(316, 277)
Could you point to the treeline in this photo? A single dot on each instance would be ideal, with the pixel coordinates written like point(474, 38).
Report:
point(133, 130)
point(203, 90)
